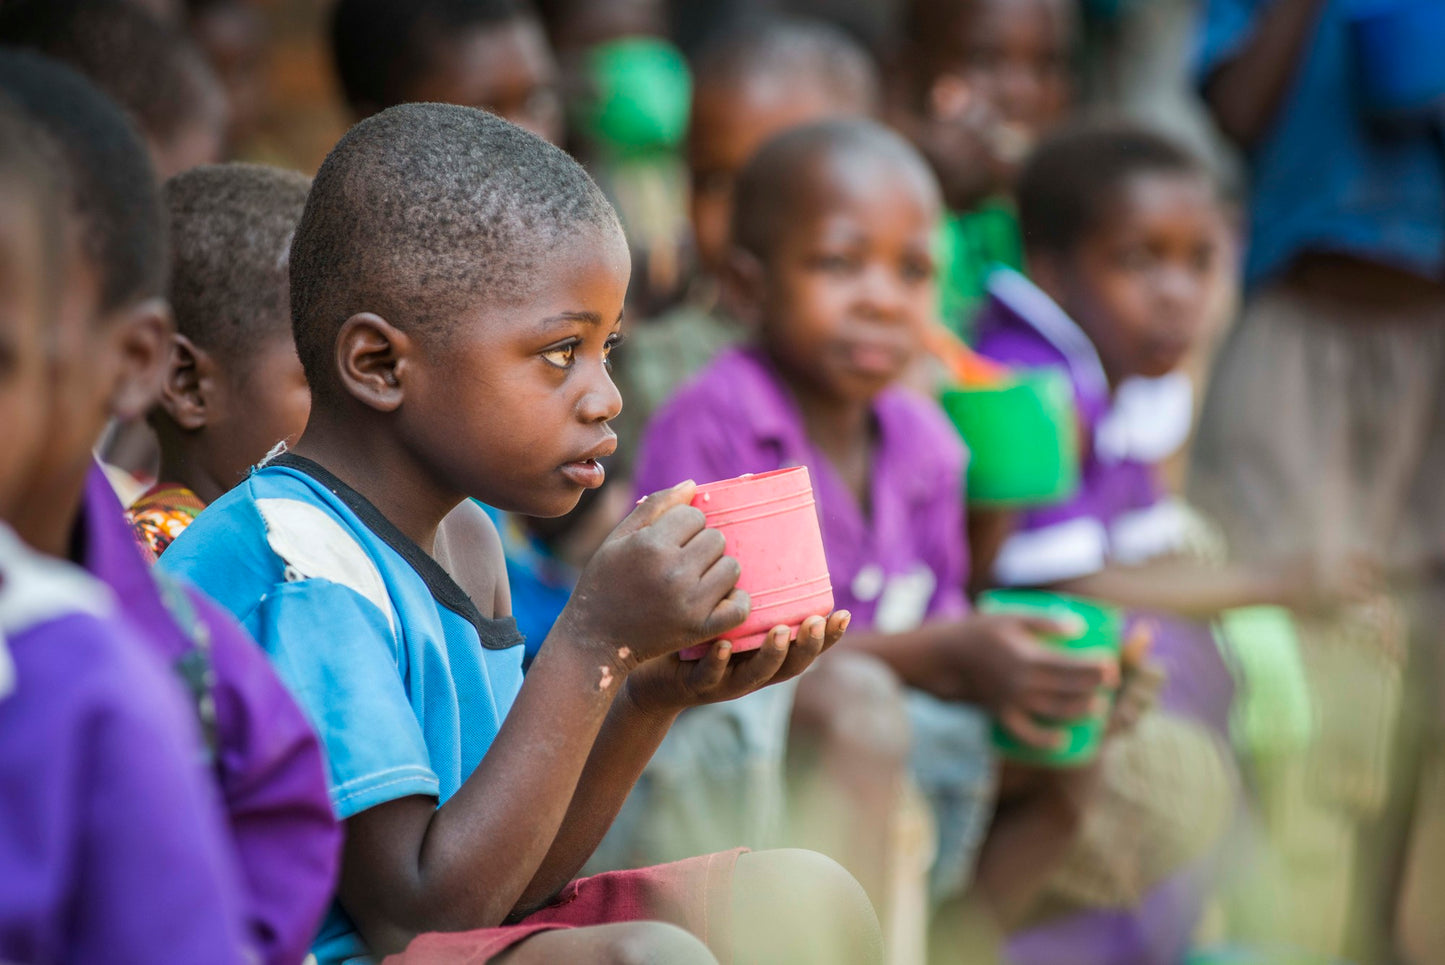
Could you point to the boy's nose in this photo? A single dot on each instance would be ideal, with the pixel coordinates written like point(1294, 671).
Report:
point(601, 402)
point(880, 295)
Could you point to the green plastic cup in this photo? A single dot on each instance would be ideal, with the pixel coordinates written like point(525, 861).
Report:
point(1022, 436)
point(639, 96)
point(1101, 631)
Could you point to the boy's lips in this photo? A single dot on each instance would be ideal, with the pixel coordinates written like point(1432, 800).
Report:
point(874, 358)
point(586, 470)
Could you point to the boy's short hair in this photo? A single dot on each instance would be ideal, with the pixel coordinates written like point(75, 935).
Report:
point(791, 47)
point(1068, 185)
point(421, 211)
point(380, 47)
point(230, 228)
point(113, 191)
point(147, 66)
point(31, 166)
point(779, 172)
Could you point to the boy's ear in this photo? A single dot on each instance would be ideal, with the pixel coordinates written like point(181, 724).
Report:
point(744, 286)
point(187, 384)
point(142, 334)
point(372, 356)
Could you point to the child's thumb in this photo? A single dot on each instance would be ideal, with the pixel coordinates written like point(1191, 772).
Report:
point(649, 508)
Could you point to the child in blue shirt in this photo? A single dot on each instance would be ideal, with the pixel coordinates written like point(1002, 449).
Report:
point(457, 286)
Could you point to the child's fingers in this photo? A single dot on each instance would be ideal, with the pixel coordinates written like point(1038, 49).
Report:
point(649, 508)
point(1060, 673)
point(677, 525)
point(1138, 644)
point(704, 548)
point(1017, 722)
point(719, 578)
point(707, 673)
point(812, 641)
point(1060, 706)
point(763, 664)
point(1070, 626)
point(730, 612)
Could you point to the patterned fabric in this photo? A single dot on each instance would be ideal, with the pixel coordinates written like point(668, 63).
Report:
point(161, 514)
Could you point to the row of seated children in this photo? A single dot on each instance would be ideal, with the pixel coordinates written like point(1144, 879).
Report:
point(416, 688)
point(166, 833)
point(259, 883)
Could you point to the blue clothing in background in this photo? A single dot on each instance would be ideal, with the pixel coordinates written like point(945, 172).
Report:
point(405, 681)
point(1327, 176)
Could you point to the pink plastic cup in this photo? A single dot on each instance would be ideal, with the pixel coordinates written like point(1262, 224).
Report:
point(771, 526)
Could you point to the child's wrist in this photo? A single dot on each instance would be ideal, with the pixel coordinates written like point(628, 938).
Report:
point(618, 659)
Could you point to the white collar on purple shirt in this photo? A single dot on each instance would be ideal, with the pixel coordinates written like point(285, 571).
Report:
point(1147, 419)
point(35, 589)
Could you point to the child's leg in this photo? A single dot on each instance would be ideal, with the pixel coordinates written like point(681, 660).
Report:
point(847, 762)
point(626, 943)
point(794, 907)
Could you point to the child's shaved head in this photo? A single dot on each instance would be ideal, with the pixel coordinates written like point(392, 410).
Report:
point(764, 77)
point(113, 191)
point(784, 170)
point(814, 54)
point(149, 67)
point(424, 210)
point(231, 228)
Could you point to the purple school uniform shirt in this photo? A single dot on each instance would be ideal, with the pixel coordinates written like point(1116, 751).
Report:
point(1122, 513)
point(112, 847)
point(903, 562)
point(268, 762)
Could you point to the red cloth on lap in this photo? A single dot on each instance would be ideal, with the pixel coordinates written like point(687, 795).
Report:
point(695, 894)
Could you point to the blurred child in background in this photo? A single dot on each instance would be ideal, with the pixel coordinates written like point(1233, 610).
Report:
point(233, 35)
point(975, 84)
point(111, 847)
point(111, 340)
point(233, 386)
point(491, 54)
point(750, 83)
point(832, 265)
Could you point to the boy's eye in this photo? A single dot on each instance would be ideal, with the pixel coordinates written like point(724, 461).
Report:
point(917, 270)
point(834, 264)
point(612, 342)
point(561, 356)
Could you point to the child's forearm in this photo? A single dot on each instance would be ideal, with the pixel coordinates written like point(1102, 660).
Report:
point(929, 658)
point(1245, 93)
point(1183, 588)
point(411, 868)
point(628, 739)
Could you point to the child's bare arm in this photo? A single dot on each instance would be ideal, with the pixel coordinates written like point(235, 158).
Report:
point(1196, 591)
point(998, 662)
point(410, 867)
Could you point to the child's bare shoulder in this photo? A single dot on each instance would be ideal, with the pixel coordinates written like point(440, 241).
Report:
point(469, 548)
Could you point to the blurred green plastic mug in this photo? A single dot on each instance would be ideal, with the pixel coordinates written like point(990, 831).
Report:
point(1022, 436)
point(1100, 635)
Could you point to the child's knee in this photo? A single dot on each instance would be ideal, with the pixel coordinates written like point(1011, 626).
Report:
point(802, 900)
point(852, 705)
point(652, 943)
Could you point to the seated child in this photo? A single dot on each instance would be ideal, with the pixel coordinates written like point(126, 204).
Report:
point(148, 67)
point(491, 54)
point(978, 83)
point(111, 846)
point(456, 287)
point(750, 83)
point(234, 386)
point(111, 340)
point(832, 265)
point(1124, 234)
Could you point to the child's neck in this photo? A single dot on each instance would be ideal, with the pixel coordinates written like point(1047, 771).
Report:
point(367, 458)
point(843, 431)
point(46, 518)
point(183, 468)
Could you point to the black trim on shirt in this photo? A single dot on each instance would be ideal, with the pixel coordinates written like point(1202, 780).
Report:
point(495, 633)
